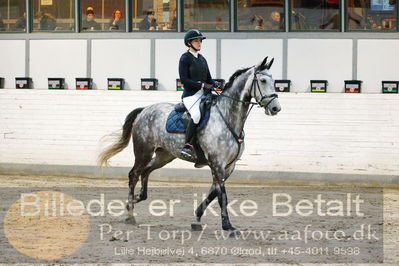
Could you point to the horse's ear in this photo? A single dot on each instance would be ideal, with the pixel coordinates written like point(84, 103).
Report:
point(264, 61)
point(268, 66)
point(262, 65)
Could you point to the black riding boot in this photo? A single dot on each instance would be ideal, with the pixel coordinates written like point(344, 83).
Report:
point(188, 151)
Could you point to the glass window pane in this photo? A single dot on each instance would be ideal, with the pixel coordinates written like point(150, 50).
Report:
point(260, 15)
point(151, 15)
point(371, 15)
point(207, 15)
point(103, 15)
point(12, 15)
point(315, 15)
point(53, 15)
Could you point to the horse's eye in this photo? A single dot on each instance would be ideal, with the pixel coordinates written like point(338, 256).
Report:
point(263, 80)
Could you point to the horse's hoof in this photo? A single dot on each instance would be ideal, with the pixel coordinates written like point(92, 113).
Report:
point(130, 220)
point(234, 232)
point(196, 226)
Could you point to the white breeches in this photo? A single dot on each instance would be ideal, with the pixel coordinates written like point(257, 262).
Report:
point(192, 103)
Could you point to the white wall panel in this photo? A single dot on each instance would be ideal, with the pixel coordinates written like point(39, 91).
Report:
point(330, 133)
point(12, 61)
point(377, 61)
point(57, 59)
point(326, 59)
point(238, 54)
point(127, 58)
point(167, 55)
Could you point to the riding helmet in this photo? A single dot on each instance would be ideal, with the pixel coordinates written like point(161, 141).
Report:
point(191, 35)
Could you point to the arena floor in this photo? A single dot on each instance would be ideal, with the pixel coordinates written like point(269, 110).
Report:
point(103, 248)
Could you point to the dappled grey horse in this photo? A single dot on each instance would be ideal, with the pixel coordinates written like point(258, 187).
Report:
point(221, 139)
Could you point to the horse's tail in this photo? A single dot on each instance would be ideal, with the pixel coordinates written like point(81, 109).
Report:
point(123, 140)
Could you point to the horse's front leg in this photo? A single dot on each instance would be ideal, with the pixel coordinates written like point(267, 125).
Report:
point(218, 180)
point(199, 212)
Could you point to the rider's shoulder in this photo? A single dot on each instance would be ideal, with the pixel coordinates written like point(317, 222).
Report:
point(185, 54)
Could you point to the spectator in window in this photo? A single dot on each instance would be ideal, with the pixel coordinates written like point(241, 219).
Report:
point(21, 23)
point(275, 21)
point(258, 21)
point(47, 21)
point(117, 22)
point(2, 27)
point(173, 24)
point(89, 23)
point(149, 22)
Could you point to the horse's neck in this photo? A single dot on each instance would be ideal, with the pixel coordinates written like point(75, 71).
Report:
point(234, 112)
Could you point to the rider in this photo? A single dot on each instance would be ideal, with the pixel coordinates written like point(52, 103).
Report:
point(197, 81)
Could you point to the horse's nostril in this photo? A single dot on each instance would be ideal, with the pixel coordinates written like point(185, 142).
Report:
point(275, 109)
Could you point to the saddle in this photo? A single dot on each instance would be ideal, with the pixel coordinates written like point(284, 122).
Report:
point(179, 118)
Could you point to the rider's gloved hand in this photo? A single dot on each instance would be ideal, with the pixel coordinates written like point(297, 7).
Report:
point(217, 84)
point(208, 87)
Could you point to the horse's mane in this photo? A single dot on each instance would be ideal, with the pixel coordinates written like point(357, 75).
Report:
point(234, 76)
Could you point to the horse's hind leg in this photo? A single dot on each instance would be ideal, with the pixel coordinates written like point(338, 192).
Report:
point(162, 158)
point(140, 162)
point(196, 226)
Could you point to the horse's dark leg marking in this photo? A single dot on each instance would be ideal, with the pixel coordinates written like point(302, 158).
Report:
point(142, 159)
point(222, 198)
point(218, 173)
point(204, 204)
point(133, 179)
point(211, 196)
point(161, 159)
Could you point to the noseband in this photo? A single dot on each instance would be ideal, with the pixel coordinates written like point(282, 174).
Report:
point(256, 88)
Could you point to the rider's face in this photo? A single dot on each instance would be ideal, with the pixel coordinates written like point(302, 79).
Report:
point(196, 43)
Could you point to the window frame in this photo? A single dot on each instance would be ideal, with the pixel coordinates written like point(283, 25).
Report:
point(290, 8)
point(235, 8)
point(32, 17)
point(183, 29)
point(27, 3)
point(180, 27)
point(369, 30)
point(162, 30)
point(80, 17)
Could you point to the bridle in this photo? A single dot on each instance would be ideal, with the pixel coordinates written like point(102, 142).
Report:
point(255, 88)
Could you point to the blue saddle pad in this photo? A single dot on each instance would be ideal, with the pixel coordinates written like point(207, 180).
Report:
point(177, 124)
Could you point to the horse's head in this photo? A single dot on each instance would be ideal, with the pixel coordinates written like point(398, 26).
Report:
point(262, 88)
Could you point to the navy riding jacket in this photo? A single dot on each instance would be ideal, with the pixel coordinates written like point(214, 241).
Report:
point(193, 72)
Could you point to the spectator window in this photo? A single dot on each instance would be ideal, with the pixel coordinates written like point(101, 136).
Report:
point(53, 15)
point(371, 15)
point(212, 15)
point(13, 15)
point(103, 15)
point(260, 15)
point(154, 15)
point(315, 15)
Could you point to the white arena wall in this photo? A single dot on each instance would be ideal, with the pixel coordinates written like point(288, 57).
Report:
point(314, 133)
point(335, 60)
